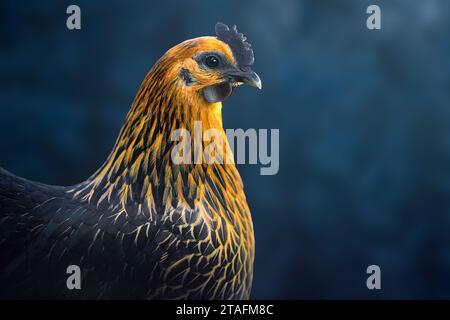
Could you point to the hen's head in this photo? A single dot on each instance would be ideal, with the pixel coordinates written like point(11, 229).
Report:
point(211, 67)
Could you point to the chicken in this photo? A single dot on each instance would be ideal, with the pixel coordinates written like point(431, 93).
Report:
point(143, 227)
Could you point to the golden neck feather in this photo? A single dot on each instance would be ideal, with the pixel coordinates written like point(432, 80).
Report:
point(139, 171)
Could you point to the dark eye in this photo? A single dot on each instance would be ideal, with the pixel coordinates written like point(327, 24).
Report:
point(212, 61)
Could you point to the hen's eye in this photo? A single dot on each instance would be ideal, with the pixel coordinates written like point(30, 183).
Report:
point(212, 61)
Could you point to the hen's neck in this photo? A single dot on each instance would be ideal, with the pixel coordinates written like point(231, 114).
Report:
point(140, 172)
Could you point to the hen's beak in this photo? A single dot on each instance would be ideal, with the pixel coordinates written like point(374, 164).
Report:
point(249, 77)
point(232, 78)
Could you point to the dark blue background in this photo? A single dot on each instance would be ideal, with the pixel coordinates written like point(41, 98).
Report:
point(364, 121)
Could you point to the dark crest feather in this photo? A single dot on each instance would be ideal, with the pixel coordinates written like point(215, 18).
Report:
point(242, 52)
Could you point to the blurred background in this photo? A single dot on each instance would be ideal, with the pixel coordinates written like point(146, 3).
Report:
point(364, 119)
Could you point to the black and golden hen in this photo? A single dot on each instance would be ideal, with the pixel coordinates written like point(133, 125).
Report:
point(143, 227)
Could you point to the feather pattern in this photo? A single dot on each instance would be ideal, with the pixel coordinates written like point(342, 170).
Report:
point(141, 226)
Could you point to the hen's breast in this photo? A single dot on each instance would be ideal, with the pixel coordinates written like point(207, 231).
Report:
point(202, 258)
